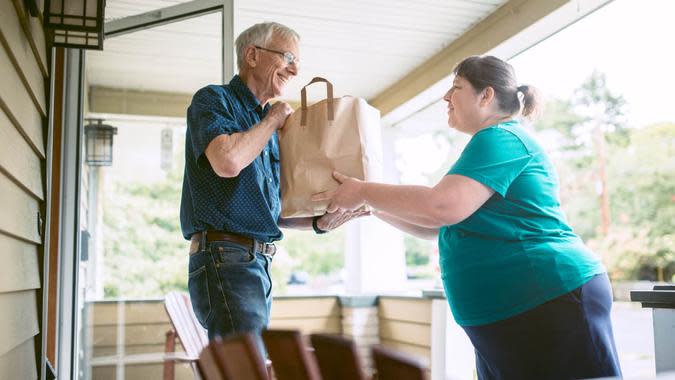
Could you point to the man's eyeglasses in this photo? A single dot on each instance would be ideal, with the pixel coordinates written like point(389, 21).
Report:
point(289, 57)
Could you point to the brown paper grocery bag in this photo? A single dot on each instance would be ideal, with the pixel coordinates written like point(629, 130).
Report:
point(340, 134)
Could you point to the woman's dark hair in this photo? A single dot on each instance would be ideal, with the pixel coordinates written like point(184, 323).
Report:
point(488, 71)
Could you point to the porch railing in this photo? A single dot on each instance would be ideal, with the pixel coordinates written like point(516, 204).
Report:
point(125, 339)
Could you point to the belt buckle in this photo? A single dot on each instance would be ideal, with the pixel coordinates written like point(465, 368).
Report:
point(265, 248)
point(268, 248)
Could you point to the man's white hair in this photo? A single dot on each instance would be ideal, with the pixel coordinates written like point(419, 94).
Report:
point(260, 34)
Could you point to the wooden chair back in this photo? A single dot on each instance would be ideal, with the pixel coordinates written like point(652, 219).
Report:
point(291, 358)
point(186, 328)
point(208, 365)
point(238, 358)
point(392, 365)
point(337, 357)
point(192, 335)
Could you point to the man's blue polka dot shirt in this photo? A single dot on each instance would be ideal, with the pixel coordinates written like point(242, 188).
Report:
point(248, 204)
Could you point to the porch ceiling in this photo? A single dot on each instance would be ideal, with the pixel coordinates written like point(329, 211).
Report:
point(363, 47)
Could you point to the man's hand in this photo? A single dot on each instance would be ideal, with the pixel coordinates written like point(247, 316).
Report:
point(279, 113)
point(230, 154)
point(330, 221)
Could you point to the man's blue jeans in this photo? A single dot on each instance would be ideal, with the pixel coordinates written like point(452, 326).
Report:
point(230, 289)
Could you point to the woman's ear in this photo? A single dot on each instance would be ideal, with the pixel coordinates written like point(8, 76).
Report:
point(251, 56)
point(487, 96)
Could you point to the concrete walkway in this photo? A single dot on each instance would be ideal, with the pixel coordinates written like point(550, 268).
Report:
point(634, 335)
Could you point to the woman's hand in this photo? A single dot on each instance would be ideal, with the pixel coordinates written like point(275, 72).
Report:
point(348, 196)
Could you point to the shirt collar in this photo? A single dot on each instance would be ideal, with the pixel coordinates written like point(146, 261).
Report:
point(244, 93)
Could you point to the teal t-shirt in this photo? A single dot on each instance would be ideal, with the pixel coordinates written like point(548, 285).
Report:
point(517, 250)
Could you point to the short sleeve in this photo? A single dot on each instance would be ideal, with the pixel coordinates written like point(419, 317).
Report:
point(493, 157)
point(209, 116)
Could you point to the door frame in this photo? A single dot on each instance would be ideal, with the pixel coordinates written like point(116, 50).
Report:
point(62, 212)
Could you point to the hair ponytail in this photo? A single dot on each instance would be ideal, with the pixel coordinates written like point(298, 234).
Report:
point(531, 100)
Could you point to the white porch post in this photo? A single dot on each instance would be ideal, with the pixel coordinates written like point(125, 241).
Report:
point(664, 339)
point(452, 355)
point(374, 251)
point(439, 323)
point(228, 55)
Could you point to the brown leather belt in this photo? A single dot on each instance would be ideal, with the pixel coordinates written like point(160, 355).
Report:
point(257, 246)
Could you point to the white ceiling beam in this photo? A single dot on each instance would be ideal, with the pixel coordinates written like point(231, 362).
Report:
point(143, 103)
point(511, 29)
point(135, 102)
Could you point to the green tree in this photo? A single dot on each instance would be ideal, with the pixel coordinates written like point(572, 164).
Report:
point(584, 126)
point(417, 251)
point(145, 254)
point(601, 109)
point(314, 254)
point(640, 244)
point(559, 116)
point(639, 184)
point(304, 251)
point(573, 160)
point(603, 115)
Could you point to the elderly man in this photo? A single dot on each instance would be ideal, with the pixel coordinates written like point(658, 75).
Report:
point(230, 203)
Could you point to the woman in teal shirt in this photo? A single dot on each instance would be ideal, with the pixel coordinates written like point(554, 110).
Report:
point(533, 299)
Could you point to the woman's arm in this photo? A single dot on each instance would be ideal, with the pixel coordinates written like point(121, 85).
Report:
point(409, 228)
point(452, 200)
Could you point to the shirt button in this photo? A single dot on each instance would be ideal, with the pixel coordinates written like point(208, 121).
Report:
point(265, 153)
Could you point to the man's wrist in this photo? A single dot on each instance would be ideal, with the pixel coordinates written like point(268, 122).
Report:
point(270, 122)
point(315, 226)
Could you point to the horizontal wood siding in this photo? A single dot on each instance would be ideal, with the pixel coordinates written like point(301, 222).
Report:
point(30, 70)
point(18, 161)
point(19, 363)
point(405, 325)
point(19, 260)
point(23, 115)
point(19, 216)
point(18, 105)
point(141, 372)
point(307, 314)
point(18, 311)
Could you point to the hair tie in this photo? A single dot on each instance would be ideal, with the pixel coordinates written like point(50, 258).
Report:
point(521, 88)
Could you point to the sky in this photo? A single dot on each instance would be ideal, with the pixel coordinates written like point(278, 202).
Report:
point(631, 41)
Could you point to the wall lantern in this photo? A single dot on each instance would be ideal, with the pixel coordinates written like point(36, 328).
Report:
point(75, 23)
point(99, 142)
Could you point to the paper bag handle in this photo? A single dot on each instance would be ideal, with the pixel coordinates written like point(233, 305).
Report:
point(303, 101)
